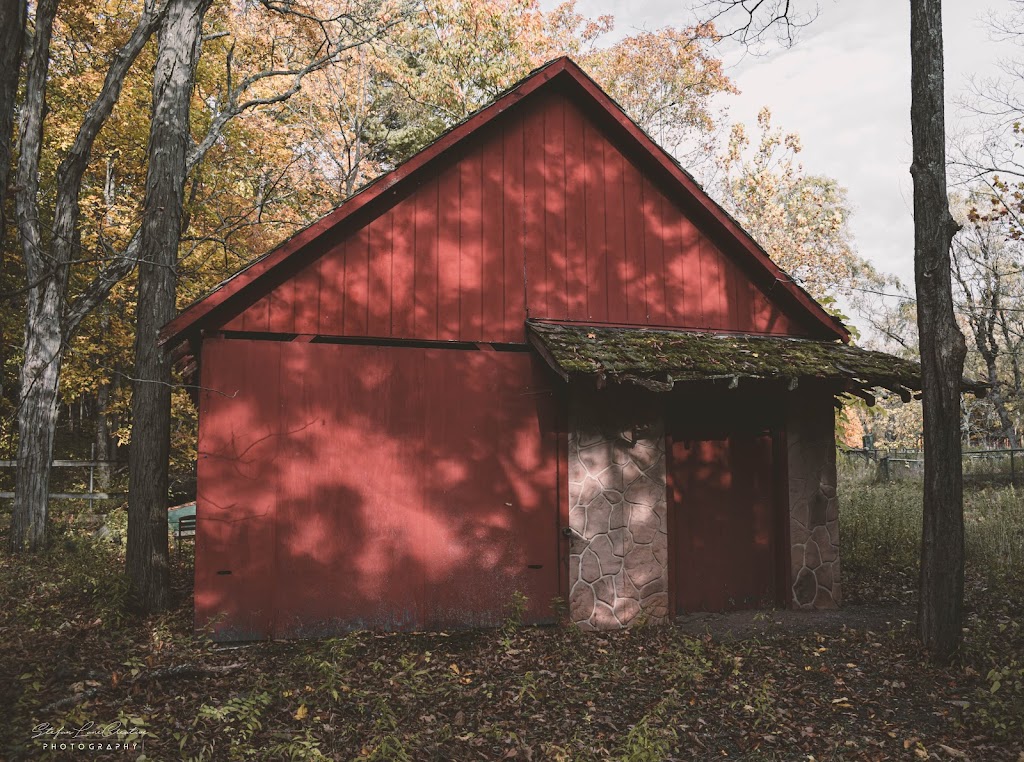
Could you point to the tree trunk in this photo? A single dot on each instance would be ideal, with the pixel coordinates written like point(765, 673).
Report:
point(12, 38)
point(995, 394)
point(39, 378)
point(174, 75)
point(102, 438)
point(37, 412)
point(942, 345)
point(48, 251)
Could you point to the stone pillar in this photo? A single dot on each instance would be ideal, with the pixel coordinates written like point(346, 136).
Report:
point(813, 504)
point(618, 563)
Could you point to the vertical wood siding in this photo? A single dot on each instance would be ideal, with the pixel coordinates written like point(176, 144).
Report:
point(347, 486)
point(541, 216)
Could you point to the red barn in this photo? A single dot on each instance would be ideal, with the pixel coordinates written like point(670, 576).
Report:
point(536, 358)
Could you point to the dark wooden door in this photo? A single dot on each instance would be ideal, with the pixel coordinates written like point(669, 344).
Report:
point(724, 522)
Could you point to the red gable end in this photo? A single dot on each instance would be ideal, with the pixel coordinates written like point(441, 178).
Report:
point(549, 203)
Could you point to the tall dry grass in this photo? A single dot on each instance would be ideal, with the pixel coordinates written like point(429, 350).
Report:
point(880, 524)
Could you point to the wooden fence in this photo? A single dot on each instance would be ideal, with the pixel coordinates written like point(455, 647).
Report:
point(1003, 464)
point(89, 494)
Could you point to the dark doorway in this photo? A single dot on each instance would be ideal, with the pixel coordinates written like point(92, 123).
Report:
point(723, 499)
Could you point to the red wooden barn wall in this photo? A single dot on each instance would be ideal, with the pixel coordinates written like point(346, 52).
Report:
point(347, 486)
point(538, 215)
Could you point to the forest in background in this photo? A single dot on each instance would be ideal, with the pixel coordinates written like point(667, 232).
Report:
point(295, 107)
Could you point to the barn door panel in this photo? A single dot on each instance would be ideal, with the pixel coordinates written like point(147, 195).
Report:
point(489, 470)
point(348, 494)
point(724, 522)
point(240, 438)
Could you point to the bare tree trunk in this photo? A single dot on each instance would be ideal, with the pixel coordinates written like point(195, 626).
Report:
point(40, 370)
point(12, 38)
point(942, 345)
point(987, 349)
point(995, 396)
point(102, 437)
point(174, 77)
point(983, 312)
point(37, 412)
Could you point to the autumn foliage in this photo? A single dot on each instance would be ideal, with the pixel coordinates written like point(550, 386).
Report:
point(406, 74)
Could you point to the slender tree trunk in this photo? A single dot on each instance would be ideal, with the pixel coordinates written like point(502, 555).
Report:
point(37, 412)
point(995, 394)
point(39, 378)
point(942, 345)
point(12, 38)
point(102, 439)
point(1013, 351)
point(174, 76)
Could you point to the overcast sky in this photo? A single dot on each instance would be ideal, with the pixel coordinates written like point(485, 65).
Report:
point(845, 88)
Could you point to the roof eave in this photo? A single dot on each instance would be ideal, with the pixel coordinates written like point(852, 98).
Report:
point(856, 381)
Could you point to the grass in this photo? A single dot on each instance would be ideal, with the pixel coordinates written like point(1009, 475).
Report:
point(70, 655)
point(881, 527)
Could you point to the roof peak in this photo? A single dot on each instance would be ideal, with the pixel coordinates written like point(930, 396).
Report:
point(230, 295)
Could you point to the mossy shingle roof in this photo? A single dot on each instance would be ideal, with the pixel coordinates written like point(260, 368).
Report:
point(658, 359)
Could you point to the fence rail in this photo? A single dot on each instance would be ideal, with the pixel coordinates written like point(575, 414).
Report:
point(91, 494)
point(73, 495)
point(978, 465)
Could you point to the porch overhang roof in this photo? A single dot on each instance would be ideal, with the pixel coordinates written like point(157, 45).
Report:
point(657, 359)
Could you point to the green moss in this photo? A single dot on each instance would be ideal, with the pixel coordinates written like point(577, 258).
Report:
point(658, 358)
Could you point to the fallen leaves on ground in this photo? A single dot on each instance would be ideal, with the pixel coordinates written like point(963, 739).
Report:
point(656, 692)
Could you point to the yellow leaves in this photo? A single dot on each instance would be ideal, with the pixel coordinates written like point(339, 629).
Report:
point(664, 79)
point(919, 750)
point(466, 52)
point(799, 219)
point(301, 712)
point(463, 679)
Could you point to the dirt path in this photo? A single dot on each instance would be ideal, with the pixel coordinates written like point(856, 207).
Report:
point(740, 625)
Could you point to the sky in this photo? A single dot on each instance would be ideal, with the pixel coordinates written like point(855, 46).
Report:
point(845, 89)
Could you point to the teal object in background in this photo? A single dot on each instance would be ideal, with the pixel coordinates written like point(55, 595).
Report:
point(175, 514)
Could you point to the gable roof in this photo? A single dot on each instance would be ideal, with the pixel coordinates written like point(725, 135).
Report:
point(230, 296)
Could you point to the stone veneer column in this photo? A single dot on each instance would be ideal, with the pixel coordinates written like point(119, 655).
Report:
point(618, 563)
point(813, 504)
